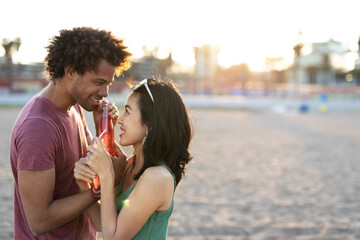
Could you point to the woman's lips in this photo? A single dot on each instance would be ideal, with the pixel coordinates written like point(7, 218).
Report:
point(122, 131)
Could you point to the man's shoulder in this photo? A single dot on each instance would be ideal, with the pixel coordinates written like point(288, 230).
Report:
point(34, 119)
point(37, 107)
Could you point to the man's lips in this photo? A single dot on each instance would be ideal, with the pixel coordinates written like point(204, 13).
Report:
point(96, 100)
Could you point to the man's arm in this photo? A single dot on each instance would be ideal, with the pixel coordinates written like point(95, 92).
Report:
point(44, 214)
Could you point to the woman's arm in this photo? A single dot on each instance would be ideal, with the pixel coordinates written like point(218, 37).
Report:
point(84, 175)
point(153, 192)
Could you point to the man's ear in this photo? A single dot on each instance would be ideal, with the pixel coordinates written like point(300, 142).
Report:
point(69, 72)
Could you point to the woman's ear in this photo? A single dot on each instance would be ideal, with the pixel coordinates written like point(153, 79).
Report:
point(144, 138)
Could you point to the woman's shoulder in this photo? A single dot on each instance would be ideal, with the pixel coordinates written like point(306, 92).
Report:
point(157, 181)
point(157, 173)
point(157, 177)
point(156, 184)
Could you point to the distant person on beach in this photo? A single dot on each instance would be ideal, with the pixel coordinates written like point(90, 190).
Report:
point(50, 135)
point(156, 123)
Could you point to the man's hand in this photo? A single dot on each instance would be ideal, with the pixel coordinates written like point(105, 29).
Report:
point(43, 213)
point(112, 111)
point(83, 174)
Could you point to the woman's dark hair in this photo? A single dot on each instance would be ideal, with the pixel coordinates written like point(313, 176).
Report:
point(82, 49)
point(169, 128)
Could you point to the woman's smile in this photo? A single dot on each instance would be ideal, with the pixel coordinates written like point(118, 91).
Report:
point(122, 132)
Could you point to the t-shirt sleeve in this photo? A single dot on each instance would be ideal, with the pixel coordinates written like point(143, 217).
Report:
point(36, 145)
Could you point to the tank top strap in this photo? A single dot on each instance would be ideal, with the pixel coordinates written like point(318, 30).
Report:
point(172, 174)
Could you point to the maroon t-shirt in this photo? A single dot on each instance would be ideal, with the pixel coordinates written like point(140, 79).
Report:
point(46, 137)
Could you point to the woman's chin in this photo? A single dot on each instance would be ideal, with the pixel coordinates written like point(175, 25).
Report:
point(124, 143)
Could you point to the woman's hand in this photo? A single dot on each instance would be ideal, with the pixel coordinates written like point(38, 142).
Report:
point(83, 174)
point(99, 160)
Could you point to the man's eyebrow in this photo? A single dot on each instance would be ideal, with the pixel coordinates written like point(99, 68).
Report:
point(104, 80)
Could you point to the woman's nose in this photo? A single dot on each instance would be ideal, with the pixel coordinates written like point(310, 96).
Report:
point(120, 119)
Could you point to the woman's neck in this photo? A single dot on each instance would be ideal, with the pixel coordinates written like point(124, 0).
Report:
point(138, 158)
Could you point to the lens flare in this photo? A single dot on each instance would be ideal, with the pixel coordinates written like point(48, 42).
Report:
point(126, 203)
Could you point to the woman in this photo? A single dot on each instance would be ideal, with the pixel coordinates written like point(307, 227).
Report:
point(156, 124)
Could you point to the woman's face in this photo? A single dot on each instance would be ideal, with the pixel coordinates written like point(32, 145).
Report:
point(132, 131)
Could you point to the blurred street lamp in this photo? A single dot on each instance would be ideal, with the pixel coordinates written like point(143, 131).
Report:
point(10, 46)
point(297, 53)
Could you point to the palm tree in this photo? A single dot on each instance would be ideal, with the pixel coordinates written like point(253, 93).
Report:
point(10, 46)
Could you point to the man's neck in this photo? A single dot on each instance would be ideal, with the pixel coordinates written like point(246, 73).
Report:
point(58, 95)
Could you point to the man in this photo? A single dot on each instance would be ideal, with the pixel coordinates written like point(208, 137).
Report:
point(51, 134)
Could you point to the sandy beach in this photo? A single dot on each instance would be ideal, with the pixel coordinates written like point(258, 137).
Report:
point(255, 175)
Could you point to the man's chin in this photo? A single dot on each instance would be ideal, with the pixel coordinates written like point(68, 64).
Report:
point(88, 107)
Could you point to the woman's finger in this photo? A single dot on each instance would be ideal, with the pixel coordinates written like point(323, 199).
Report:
point(78, 176)
point(84, 169)
point(100, 146)
point(97, 143)
point(89, 154)
point(92, 148)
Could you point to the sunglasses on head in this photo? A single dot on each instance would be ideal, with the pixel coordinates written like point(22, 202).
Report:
point(144, 82)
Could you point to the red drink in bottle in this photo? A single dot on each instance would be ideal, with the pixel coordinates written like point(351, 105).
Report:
point(108, 140)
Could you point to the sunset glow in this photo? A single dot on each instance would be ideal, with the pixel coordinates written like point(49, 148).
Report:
point(244, 31)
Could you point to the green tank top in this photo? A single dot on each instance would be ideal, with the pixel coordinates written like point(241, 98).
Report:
point(157, 225)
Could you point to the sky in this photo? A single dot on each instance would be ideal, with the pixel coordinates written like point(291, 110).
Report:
point(244, 30)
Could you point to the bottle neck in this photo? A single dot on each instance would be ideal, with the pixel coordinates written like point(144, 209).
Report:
point(104, 119)
point(105, 111)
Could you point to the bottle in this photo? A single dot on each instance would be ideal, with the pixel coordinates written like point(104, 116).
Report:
point(108, 140)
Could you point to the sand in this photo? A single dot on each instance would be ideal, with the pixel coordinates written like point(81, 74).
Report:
point(255, 175)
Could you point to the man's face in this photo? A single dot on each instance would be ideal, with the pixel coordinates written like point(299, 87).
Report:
point(91, 87)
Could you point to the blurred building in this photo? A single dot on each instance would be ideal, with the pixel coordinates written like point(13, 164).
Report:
point(31, 78)
point(142, 68)
point(206, 66)
point(148, 66)
point(24, 77)
point(357, 66)
point(236, 80)
point(325, 64)
point(357, 70)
